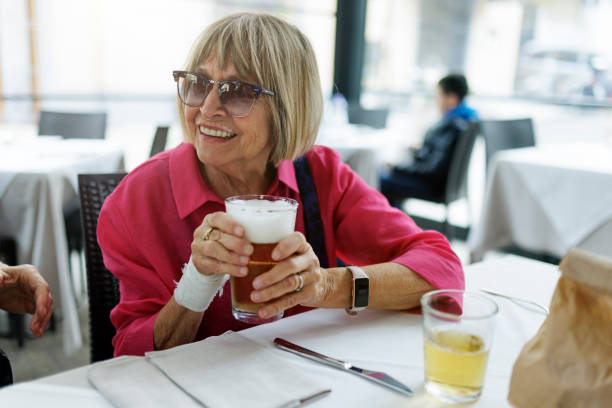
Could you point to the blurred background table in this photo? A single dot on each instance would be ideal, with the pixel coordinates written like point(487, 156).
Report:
point(38, 178)
point(366, 149)
point(548, 200)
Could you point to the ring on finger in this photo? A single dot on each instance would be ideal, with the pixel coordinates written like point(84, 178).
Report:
point(206, 235)
point(300, 282)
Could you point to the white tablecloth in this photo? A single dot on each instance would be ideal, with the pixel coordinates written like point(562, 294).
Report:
point(548, 200)
point(392, 341)
point(364, 148)
point(38, 177)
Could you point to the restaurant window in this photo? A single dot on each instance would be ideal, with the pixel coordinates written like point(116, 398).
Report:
point(543, 50)
point(89, 53)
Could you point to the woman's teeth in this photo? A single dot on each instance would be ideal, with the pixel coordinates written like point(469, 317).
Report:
point(216, 132)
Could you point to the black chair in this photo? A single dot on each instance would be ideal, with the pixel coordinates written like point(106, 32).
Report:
point(90, 125)
point(456, 182)
point(376, 118)
point(73, 125)
point(8, 250)
point(8, 255)
point(102, 286)
point(506, 134)
point(6, 373)
point(159, 140)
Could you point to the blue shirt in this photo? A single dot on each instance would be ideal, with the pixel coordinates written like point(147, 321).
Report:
point(462, 111)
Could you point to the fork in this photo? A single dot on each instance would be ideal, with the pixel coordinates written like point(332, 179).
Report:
point(519, 301)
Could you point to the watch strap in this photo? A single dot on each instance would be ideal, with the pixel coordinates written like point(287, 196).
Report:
point(360, 292)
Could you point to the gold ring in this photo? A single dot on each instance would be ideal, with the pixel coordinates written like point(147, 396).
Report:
point(300, 283)
point(206, 236)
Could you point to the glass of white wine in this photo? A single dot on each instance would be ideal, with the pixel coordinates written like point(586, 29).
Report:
point(458, 328)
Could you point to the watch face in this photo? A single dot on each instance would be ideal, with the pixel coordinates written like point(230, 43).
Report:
point(362, 290)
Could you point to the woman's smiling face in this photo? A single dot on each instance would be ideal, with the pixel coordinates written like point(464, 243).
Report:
point(222, 140)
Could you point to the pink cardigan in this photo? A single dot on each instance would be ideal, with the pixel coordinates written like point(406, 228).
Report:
point(146, 227)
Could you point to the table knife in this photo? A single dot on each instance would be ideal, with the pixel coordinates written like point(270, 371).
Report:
point(375, 376)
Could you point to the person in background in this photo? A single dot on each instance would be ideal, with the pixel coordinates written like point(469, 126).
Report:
point(425, 174)
point(23, 290)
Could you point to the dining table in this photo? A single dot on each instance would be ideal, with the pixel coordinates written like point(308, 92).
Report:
point(546, 200)
point(38, 180)
point(366, 150)
point(387, 341)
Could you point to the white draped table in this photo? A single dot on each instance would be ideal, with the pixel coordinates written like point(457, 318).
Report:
point(364, 148)
point(38, 177)
point(548, 199)
point(379, 340)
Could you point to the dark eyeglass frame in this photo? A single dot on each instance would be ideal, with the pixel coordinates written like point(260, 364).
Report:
point(210, 83)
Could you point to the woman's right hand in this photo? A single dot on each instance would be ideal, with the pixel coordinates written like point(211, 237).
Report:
point(226, 251)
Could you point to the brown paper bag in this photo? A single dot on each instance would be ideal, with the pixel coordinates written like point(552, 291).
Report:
point(569, 361)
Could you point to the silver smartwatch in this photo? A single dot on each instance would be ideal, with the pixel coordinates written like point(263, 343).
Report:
point(361, 290)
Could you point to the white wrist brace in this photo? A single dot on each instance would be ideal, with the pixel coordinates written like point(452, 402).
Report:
point(195, 291)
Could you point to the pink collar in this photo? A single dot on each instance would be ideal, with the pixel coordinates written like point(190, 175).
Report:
point(191, 192)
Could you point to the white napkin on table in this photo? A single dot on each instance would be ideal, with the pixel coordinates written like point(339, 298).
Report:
point(134, 382)
point(233, 371)
point(35, 394)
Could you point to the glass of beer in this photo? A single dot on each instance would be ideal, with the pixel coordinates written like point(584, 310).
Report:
point(266, 220)
point(458, 328)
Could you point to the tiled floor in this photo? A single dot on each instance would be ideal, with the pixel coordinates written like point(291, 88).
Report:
point(45, 356)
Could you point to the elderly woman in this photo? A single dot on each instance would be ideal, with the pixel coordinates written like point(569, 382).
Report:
point(250, 104)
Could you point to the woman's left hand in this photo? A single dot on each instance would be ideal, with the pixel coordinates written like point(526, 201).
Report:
point(297, 279)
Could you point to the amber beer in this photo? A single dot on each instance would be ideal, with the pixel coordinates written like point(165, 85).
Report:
point(266, 220)
point(259, 263)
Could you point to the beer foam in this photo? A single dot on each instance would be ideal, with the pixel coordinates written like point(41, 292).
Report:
point(265, 221)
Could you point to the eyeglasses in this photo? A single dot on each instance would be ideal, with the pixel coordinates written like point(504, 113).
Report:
point(236, 97)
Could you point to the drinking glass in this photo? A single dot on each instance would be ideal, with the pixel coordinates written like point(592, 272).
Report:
point(266, 220)
point(458, 328)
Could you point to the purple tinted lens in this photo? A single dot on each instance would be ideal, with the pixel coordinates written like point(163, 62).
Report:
point(237, 98)
point(192, 92)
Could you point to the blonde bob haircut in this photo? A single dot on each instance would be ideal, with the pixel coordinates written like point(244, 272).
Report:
point(280, 58)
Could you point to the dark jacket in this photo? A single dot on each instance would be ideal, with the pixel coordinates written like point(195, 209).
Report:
point(432, 160)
